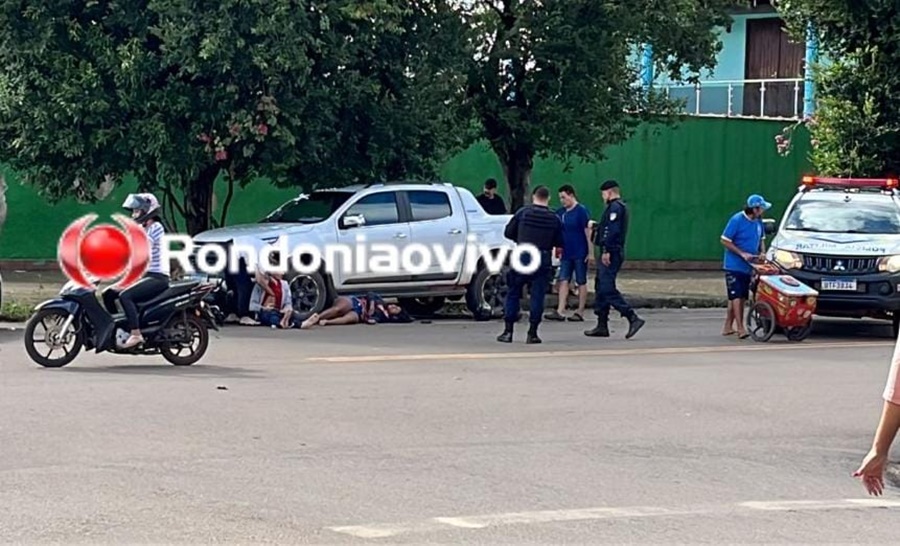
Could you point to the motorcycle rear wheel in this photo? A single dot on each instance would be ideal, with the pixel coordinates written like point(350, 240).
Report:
point(197, 346)
point(31, 345)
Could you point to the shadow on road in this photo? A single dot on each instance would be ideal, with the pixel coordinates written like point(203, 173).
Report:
point(866, 329)
point(197, 370)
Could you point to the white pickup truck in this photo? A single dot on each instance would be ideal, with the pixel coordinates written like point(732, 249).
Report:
point(394, 213)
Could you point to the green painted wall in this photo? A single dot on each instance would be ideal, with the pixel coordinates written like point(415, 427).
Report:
point(681, 184)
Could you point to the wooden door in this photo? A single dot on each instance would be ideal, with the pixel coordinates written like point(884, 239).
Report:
point(772, 55)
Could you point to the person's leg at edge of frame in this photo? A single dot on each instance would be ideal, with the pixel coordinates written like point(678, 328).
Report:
point(511, 306)
point(615, 299)
point(539, 282)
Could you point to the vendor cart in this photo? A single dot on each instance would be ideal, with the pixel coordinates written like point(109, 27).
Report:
point(779, 301)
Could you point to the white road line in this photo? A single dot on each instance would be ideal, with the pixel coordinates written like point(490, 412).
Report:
point(387, 530)
point(845, 504)
point(597, 352)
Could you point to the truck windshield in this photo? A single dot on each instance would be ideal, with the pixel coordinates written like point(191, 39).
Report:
point(309, 209)
point(840, 217)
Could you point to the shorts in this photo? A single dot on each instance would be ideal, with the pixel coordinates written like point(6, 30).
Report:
point(568, 268)
point(271, 317)
point(738, 285)
point(357, 306)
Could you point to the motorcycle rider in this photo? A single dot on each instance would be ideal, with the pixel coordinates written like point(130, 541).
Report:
point(146, 211)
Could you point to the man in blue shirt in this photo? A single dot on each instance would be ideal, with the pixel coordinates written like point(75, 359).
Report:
point(743, 239)
point(577, 252)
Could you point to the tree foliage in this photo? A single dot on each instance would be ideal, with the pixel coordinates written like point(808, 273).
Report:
point(856, 128)
point(181, 92)
point(560, 78)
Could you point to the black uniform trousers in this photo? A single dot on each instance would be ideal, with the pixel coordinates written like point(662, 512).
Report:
point(538, 281)
point(606, 294)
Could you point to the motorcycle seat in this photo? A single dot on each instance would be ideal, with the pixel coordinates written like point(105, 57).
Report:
point(175, 289)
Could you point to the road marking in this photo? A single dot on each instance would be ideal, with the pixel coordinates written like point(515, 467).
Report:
point(595, 352)
point(387, 530)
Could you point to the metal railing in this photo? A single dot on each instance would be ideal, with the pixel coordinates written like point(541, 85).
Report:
point(772, 99)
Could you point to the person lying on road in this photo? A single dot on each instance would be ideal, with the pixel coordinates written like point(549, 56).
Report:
point(370, 309)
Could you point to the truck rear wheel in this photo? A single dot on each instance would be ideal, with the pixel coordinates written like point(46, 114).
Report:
point(486, 294)
point(309, 292)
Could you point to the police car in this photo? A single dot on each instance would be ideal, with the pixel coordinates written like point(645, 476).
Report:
point(841, 236)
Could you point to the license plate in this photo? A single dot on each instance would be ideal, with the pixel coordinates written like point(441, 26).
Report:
point(839, 285)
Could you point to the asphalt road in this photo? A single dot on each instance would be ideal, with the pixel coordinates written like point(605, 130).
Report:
point(433, 433)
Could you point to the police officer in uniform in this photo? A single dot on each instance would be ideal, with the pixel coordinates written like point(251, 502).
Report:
point(537, 225)
point(609, 236)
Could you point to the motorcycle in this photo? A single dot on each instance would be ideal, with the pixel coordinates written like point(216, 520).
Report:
point(175, 321)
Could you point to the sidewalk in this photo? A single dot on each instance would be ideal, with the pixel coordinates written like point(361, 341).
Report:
point(643, 289)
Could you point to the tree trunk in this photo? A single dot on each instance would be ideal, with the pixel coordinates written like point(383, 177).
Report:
point(198, 201)
point(517, 166)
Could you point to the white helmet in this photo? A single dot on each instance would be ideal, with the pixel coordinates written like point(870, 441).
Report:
point(145, 204)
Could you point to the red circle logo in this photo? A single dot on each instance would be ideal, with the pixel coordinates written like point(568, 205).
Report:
point(105, 251)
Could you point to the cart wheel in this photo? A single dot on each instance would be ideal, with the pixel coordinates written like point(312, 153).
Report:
point(798, 333)
point(761, 321)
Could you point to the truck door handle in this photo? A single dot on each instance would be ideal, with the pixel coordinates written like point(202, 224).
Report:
point(400, 236)
point(455, 231)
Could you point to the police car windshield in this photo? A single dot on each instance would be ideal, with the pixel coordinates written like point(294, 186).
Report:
point(870, 218)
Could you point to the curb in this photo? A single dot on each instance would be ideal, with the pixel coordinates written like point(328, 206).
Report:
point(12, 325)
point(650, 301)
point(637, 302)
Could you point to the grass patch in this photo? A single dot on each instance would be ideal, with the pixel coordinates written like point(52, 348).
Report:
point(15, 312)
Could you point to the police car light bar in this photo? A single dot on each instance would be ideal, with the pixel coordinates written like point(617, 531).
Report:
point(884, 183)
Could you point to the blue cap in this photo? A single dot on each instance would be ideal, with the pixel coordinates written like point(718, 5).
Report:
point(755, 201)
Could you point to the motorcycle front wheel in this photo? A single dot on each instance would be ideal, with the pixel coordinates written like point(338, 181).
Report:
point(187, 340)
point(50, 322)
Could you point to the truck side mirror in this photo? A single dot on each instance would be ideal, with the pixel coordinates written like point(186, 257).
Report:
point(770, 227)
point(353, 220)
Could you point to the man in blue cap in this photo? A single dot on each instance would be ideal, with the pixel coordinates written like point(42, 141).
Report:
point(744, 239)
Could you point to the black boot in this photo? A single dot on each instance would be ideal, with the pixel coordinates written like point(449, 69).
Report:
point(506, 336)
point(601, 330)
point(634, 325)
point(532, 335)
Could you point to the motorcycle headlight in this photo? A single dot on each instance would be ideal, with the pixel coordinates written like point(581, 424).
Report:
point(787, 260)
point(890, 264)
